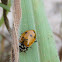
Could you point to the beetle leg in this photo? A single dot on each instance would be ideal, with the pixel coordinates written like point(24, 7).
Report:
point(30, 47)
point(35, 40)
point(26, 48)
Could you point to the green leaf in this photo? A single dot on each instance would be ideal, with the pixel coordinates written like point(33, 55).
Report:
point(9, 3)
point(5, 7)
point(33, 17)
point(47, 47)
point(27, 23)
point(1, 21)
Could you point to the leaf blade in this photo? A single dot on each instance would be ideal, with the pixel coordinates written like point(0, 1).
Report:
point(27, 23)
point(42, 51)
point(5, 7)
point(44, 34)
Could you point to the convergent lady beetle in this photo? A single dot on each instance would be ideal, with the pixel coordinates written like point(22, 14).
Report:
point(26, 40)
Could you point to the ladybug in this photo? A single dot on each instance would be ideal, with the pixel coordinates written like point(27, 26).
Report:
point(26, 40)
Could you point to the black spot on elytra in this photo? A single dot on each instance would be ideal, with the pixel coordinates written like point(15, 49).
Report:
point(30, 35)
point(34, 31)
point(22, 37)
point(25, 32)
point(34, 37)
